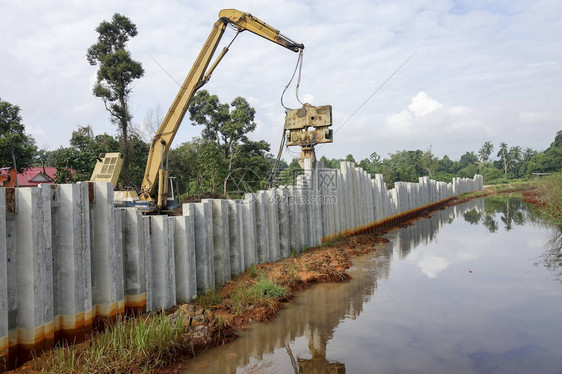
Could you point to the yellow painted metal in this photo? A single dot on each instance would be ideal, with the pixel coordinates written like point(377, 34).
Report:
point(162, 187)
point(196, 78)
point(108, 167)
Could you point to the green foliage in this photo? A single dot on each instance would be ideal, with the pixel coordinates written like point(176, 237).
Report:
point(552, 188)
point(446, 165)
point(485, 151)
point(550, 160)
point(17, 149)
point(224, 158)
point(81, 155)
point(442, 176)
point(330, 164)
point(490, 173)
point(263, 292)
point(209, 299)
point(117, 71)
point(138, 153)
point(513, 162)
point(469, 158)
point(503, 154)
point(254, 271)
point(288, 176)
point(498, 181)
point(292, 273)
point(468, 171)
point(429, 162)
point(85, 147)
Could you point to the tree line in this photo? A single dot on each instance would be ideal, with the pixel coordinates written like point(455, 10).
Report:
point(224, 160)
point(509, 162)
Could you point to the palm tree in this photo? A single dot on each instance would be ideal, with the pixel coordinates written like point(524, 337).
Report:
point(515, 154)
point(485, 151)
point(528, 154)
point(503, 154)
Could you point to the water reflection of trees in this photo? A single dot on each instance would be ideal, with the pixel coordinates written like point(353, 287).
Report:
point(510, 211)
point(425, 231)
point(552, 257)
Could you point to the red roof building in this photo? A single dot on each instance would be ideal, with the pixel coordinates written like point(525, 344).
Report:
point(31, 177)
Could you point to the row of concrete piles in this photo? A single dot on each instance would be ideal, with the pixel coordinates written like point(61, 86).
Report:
point(70, 261)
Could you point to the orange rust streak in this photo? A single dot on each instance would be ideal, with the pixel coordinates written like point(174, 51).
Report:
point(4, 353)
point(73, 329)
point(29, 343)
point(106, 315)
point(389, 221)
point(135, 305)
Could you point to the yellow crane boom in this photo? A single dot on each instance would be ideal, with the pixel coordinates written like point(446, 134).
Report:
point(155, 174)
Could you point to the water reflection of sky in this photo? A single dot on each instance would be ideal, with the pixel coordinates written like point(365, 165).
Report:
point(479, 304)
point(451, 295)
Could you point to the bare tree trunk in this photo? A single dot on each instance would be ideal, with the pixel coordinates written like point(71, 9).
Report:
point(125, 145)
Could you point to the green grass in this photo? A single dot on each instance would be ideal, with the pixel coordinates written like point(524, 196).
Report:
point(254, 271)
point(209, 299)
point(137, 346)
point(263, 292)
point(334, 241)
point(551, 188)
point(292, 272)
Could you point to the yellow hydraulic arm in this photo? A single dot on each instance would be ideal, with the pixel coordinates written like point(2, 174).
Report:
point(198, 75)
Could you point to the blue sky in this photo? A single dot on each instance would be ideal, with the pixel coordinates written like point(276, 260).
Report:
point(481, 71)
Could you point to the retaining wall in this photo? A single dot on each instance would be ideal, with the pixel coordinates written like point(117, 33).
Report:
point(70, 261)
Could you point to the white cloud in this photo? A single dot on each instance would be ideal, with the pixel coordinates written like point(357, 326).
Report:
point(432, 265)
point(422, 105)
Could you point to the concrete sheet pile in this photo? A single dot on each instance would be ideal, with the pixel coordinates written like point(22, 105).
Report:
point(70, 261)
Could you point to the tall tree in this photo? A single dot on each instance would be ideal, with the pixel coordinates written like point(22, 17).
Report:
point(515, 158)
point(406, 165)
point(17, 148)
point(429, 162)
point(485, 151)
point(503, 154)
point(228, 126)
point(117, 71)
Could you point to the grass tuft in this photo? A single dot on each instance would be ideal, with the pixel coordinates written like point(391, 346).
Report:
point(136, 346)
point(209, 299)
point(262, 293)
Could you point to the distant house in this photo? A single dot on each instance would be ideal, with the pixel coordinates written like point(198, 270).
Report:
point(540, 175)
point(31, 177)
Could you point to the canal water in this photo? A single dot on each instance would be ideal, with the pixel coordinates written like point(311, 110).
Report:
point(476, 288)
